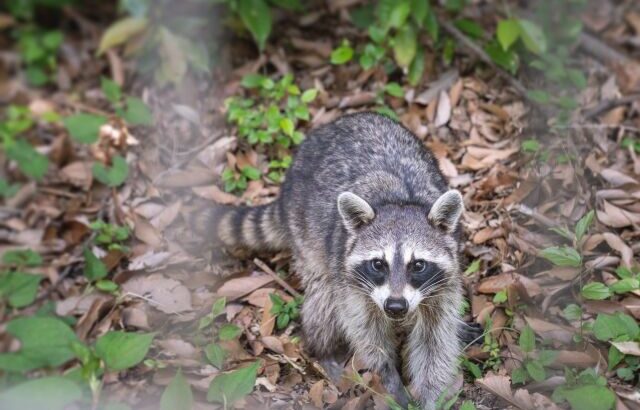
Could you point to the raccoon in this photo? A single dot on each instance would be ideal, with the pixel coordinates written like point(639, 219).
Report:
point(375, 237)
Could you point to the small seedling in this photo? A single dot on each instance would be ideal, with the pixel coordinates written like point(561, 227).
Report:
point(285, 312)
point(110, 235)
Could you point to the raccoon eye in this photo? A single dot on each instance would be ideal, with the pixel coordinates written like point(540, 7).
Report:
point(419, 266)
point(377, 265)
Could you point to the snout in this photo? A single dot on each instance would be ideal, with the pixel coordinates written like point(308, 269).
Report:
point(396, 307)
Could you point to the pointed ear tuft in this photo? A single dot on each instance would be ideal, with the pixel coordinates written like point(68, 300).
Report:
point(355, 211)
point(446, 211)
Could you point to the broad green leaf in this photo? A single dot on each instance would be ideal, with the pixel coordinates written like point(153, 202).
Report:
point(215, 354)
point(229, 332)
point(399, 14)
point(508, 60)
point(405, 46)
point(110, 89)
point(251, 172)
point(467, 405)
point(572, 312)
point(177, 395)
point(416, 69)
point(94, 269)
point(113, 176)
point(539, 96)
point(527, 340)
point(519, 375)
point(611, 327)
point(342, 54)
point(256, 16)
point(22, 257)
point(121, 31)
point(218, 307)
point(419, 11)
point(547, 357)
point(614, 358)
point(137, 112)
point(230, 387)
point(536, 370)
point(533, 37)
point(473, 267)
point(32, 163)
point(106, 286)
point(625, 285)
point(530, 145)
point(83, 127)
point(121, 350)
point(470, 27)
point(507, 33)
point(432, 27)
point(51, 393)
point(252, 80)
point(562, 256)
point(363, 16)
point(309, 95)
point(595, 291)
point(583, 225)
point(19, 288)
point(7, 190)
point(394, 89)
point(44, 342)
point(286, 125)
point(590, 397)
point(577, 77)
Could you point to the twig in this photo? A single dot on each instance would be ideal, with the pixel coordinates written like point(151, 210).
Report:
point(525, 210)
point(277, 278)
point(606, 105)
point(452, 30)
point(601, 51)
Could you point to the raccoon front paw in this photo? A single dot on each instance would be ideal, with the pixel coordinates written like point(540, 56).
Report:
point(471, 333)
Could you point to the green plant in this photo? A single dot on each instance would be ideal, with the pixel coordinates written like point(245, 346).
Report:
point(285, 311)
point(585, 391)
point(270, 122)
point(18, 288)
point(623, 334)
point(533, 367)
point(632, 142)
point(110, 235)
point(214, 351)
point(230, 387)
point(492, 347)
point(394, 29)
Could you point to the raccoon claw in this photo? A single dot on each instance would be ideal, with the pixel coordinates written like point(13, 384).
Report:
point(471, 333)
point(333, 369)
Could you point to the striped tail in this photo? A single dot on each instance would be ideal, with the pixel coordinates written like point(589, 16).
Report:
point(256, 228)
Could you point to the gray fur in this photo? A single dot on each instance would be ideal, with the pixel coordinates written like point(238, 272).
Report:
point(388, 183)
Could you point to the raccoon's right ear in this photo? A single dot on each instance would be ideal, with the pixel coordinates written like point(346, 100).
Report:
point(446, 211)
point(355, 211)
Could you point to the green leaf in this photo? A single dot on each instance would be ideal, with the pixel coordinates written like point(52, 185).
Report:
point(500, 297)
point(508, 60)
point(342, 54)
point(83, 127)
point(19, 288)
point(507, 33)
point(121, 31)
point(583, 225)
point(110, 89)
point(416, 69)
point(32, 163)
point(229, 332)
point(256, 16)
point(113, 176)
point(615, 357)
point(589, 397)
point(419, 11)
point(230, 387)
point(562, 256)
point(44, 342)
point(595, 291)
point(283, 320)
point(610, 327)
point(536, 370)
point(309, 95)
point(467, 405)
point(405, 46)
point(22, 257)
point(470, 27)
point(215, 354)
point(94, 269)
point(107, 286)
point(532, 36)
point(51, 393)
point(177, 395)
point(625, 285)
point(251, 172)
point(218, 307)
point(137, 112)
point(122, 350)
point(547, 357)
point(539, 96)
point(399, 14)
point(8, 190)
point(527, 340)
point(530, 145)
point(473, 267)
point(286, 125)
point(394, 89)
point(473, 368)
point(577, 77)
point(572, 312)
point(455, 5)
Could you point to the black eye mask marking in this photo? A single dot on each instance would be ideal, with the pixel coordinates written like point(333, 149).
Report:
point(373, 271)
point(431, 275)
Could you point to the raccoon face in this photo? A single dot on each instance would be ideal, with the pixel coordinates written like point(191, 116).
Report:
point(400, 255)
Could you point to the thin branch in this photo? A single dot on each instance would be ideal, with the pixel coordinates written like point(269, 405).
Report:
point(277, 278)
point(606, 105)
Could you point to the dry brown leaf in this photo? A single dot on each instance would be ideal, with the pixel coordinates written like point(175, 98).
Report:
point(443, 112)
point(215, 194)
point(147, 233)
point(631, 348)
point(238, 287)
point(78, 174)
point(164, 294)
point(166, 216)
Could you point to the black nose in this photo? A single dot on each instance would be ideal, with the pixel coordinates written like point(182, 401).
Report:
point(396, 306)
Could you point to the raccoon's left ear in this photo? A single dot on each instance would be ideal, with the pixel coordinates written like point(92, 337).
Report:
point(355, 211)
point(446, 211)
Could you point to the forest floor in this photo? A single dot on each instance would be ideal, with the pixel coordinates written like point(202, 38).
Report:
point(535, 258)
